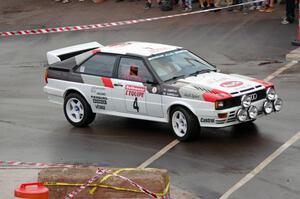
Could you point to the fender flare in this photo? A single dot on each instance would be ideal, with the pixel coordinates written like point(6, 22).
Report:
point(76, 90)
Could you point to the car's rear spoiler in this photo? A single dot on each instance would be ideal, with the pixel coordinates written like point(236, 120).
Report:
point(61, 54)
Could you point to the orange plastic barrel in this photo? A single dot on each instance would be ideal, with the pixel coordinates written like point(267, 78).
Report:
point(35, 190)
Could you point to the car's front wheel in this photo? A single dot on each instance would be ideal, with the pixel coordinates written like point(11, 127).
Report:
point(185, 124)
point(77, 111)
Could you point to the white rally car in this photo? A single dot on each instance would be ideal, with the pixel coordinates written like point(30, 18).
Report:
point(154, 82)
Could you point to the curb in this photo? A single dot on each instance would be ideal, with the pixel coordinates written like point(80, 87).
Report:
point(294, 55)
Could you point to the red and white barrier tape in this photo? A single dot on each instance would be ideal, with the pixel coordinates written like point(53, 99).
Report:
point(99, 172)
point(111, 24)
point(147, 192)
point(34, 164)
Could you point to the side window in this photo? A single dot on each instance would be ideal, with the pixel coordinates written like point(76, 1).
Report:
point(100, 65)
point(133, 70)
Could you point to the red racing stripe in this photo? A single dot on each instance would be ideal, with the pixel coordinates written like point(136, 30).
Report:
point(264, 83)
point(215, 95)
point(95, 51)
point(107, 82)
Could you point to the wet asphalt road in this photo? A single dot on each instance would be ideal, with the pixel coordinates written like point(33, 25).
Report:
point(31, 129)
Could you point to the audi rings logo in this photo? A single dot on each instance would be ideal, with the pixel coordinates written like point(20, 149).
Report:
point(253, 96)
point(231, 84)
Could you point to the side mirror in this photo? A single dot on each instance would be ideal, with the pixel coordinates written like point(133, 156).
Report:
point(218, 70)
point(151, 82)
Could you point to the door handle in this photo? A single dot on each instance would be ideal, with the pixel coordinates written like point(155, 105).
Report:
point(118, 84)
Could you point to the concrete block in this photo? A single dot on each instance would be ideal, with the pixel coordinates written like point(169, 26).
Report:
point(155, 180)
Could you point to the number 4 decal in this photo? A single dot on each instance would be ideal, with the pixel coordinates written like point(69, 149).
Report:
point(135, 104)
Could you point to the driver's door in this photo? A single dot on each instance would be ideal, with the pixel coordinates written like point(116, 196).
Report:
point(133, 93)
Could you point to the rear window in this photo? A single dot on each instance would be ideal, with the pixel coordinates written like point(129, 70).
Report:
point(100, 65)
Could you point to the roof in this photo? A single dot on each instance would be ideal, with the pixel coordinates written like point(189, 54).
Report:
point(138, 48)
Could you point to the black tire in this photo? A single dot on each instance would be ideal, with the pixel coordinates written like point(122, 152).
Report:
point(88, 115)
point(193, 127)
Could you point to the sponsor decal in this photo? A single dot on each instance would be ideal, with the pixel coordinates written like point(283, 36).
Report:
point(100, 107)
point(253, 96)
point(167, 54)
point(171, 92)
point(231, 84)
point(191, 95)
point(82, 69)
point(136, 91)
point(99, 100)
point(199, 88)
point(98, 91)
point(154, 90)
point(207, 120)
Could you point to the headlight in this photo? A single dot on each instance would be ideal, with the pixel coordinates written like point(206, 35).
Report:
point(253, 112)
point(242, 115)
point(271, 94)
point(219, 105)
point(278, 104)
point(268, 107)
point(246, 101)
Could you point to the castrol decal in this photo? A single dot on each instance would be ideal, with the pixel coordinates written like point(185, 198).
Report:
point(136, 91)
point(231, 84)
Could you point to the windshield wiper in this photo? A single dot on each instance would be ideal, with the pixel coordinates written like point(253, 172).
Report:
point(175, 78)
point(200, 71)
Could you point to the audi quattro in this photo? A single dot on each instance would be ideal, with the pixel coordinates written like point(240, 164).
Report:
point(154, 82)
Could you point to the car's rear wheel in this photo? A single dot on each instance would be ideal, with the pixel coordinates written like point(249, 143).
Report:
point(185, 124)
point(77, 111)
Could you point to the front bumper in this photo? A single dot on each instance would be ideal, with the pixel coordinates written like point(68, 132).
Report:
point(231, 118)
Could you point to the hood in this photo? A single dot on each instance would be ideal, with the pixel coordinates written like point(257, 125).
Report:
point(218, 81)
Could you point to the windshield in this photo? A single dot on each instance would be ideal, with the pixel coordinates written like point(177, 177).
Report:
point(178, 64)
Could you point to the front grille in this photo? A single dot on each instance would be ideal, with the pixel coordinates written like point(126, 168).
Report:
point(231, 117)
point(231, 120)
point(231, 114)
point(236, 101)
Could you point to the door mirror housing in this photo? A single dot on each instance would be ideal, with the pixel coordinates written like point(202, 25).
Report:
point(152, 82)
